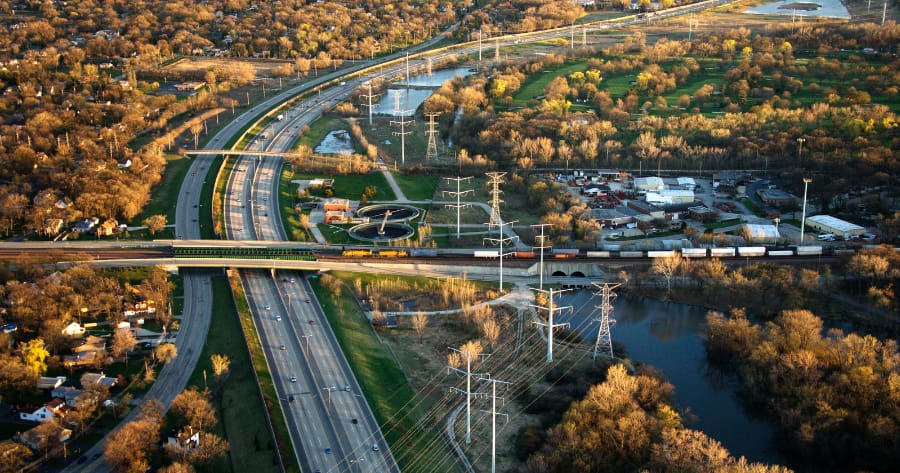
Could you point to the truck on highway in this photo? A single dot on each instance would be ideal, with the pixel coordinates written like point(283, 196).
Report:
point(280, 117)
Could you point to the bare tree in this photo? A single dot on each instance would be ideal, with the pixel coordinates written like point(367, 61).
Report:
point(420, 323)
point(491, 330)
point(123, 342)
point(154, 223)
point(667, 267)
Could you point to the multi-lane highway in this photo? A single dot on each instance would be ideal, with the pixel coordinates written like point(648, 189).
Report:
point(329, 420)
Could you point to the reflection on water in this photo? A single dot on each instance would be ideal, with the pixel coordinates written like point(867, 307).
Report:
point(410, 99)
point(666, 336)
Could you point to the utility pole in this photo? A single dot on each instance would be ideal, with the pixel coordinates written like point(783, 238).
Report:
point(800, 152)
point(542, 247)
point(572, 42)
point(403, 122)
point(431, 131)
point(468, 392)
point(458, 193)
point(497, 49)
point(407, 70)
point(806, 182)
point(604, 338)
point(690, 26)
point(369, 97)
point(501, 240)
point(584, 37)
point(479, 46)
point(550, 325)
point(493, 414)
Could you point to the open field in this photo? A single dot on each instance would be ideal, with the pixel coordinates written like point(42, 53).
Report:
point(387, 390)
point(417, 186)
point(165, 194)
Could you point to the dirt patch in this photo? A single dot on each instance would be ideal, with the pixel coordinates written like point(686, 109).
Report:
point(262, 68)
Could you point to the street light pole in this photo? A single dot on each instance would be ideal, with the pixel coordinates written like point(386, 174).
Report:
point(806, 182)
point(800, 152)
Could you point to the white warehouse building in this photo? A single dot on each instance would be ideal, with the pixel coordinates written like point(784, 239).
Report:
point(829, 224)
point(670, 196)
point(651, 183)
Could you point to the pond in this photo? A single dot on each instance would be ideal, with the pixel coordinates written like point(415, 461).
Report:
point(407, 99)
point(667, 336)
point(817, 8)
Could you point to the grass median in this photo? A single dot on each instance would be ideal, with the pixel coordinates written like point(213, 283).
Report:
point(241, 411)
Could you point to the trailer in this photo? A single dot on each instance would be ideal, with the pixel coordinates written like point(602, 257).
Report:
point(423, 252)
point(694, 252)
point(597, 254)
point(751, 251)
point(524, 255)
point(487, 253)
point(631, 254)
point(721, 252)
point(661, 253)
point(809, 250)
point(781, 253)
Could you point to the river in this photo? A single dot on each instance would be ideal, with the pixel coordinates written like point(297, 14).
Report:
point(667, 336)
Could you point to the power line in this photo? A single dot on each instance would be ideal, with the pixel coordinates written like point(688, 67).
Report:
point(603, 345)
point(493, 414)
point(542, 247)
point(550, 325)
point(403, 123)
point(501, 240)
point(431, 152)
point(468, 392)
point(458, 194)
point(369, 96)
point(495, 179)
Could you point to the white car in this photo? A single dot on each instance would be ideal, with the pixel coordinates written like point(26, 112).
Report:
point(293, 379)
point(268, 307)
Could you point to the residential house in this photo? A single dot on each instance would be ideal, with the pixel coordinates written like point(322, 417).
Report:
point(80, 359)
point(55, 408)
point(36, 439)
point(89, 379)
point(107, 228)
point(67, 393)
point(186, 441)
point(74, 329)
point(85, 225)
point(50, 383)
point(52, 226)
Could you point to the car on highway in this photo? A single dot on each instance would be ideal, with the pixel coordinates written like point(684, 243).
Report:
point(347, 388)
point(312, 322)
point(375, 447)
point(283, 348)
point(293, 280)
point(291, 398)
point(293, 379)
point(328, 450)
point(278, 318)
point(268, 307)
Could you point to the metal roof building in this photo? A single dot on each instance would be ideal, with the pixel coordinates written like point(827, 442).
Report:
point(829, 224)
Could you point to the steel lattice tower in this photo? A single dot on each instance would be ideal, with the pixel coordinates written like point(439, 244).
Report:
point(495, 179)
point(431, 152)
point(603, 344)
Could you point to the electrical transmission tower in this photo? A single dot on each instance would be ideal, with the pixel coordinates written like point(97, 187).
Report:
point(497, 49)
point(495, 179)
point(494, 414)
point(458, 193)
point(543, 246)
point(501, 241)
point(550, 325)
point(431, 152)
point(403, 123)
point(468, 392)
point(369, 97)
point(603, 345)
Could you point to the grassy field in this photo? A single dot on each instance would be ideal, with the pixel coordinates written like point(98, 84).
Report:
point(165, 194)
point(264, 377)
point(533, 86)
point(286, 200)
point(417, 187)
point(240, 409)
point(351, 186)
point(206, 196)
point(386, 388)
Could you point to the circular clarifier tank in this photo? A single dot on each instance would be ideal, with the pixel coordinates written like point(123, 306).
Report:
point(394, 212)
point(381, 231)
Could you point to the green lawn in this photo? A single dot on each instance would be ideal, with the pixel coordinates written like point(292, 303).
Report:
point(165, 194)
point(533, 86)
point(351, 186)
point(241, 411)
point(387, 390)
point(320, 128)
point(206, 196)
point(286, 200)
point(416, 186)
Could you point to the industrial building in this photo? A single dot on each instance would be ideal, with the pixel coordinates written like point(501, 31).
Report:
point(651, 183)
point(670, 196)
point(829, 224)
point(754, 233)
